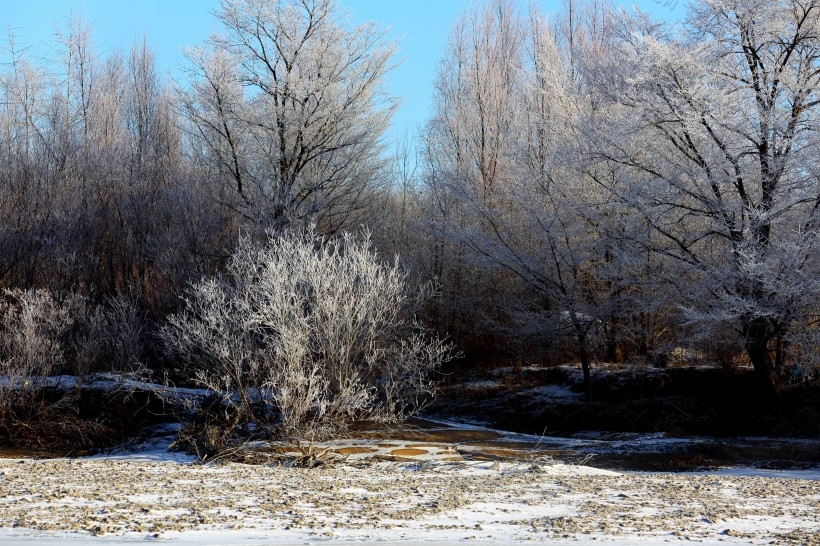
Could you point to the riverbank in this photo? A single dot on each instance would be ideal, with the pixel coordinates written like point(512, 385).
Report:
point(165, 496)
point(157, 495)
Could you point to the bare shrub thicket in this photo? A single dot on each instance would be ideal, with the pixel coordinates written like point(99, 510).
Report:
point(32, 340)
point(308, 335)
point(112, 337)
point(43, 335)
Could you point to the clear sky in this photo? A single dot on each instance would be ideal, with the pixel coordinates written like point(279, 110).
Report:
point(423, 27)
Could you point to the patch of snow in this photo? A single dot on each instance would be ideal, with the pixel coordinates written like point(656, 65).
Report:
point(485, 384)
point(553, 392)
point(155, 449)
point(807, 474)
point(388, 503)
point(409, 503)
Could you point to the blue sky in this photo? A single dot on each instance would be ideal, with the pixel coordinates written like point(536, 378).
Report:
point(422, 25)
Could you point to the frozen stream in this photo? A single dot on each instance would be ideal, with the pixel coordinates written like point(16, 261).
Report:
point(621, 451)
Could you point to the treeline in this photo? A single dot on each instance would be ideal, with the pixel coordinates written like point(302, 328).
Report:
point(592, 185)
point(600, 183)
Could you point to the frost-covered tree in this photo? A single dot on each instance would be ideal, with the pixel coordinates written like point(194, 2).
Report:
point(467, 152)
point(509, 171)
point(718, 135)
point(288, 106)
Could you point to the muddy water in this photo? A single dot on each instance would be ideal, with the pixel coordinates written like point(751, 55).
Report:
point(654, 453)
point(421, 439)
point(622, 451)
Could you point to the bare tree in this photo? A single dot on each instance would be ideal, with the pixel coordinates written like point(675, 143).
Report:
point(290, 106)
point(94, 195)
point(509, 170)
point(467, 149)
point(718, 135)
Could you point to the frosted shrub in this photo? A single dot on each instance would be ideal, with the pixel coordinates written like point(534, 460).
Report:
point(42, 335)
point(318, 333)
point(124, 333)
point(110, 338)
point(34, 327)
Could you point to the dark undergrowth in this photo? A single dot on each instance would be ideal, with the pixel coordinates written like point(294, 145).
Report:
point(682, 401)
point(55, 422)
point(726, 405)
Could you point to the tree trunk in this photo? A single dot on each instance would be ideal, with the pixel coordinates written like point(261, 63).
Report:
point(757, 338)
point(612, 340)
point(583, 355)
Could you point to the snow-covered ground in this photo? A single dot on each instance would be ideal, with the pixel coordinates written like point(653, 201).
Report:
point(444, 484)
point(152, 495)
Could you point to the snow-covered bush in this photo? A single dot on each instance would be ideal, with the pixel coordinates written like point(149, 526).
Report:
point(309, 335)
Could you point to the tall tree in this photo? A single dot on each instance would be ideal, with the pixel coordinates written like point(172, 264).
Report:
point(290, 106)
point(718, 134)
point(508, 168)
point(468, 154)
